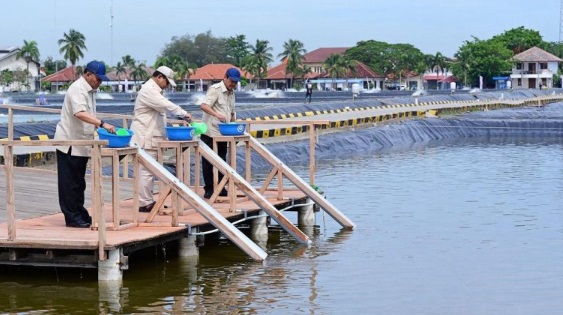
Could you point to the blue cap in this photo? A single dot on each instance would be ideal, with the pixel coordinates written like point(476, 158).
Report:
point(98, 68)
point(233, 74)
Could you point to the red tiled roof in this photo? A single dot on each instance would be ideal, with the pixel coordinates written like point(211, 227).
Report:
point(433, 77)
point(449, 79)
point(65, 75)
point(215, 72)
point(277, 72)
point(362, 71)
point(319, 55)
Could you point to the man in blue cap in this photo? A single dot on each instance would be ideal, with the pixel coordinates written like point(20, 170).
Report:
point(218, 107)
point(78, 122)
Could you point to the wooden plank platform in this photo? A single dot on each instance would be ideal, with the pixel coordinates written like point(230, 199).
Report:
point(40, 224)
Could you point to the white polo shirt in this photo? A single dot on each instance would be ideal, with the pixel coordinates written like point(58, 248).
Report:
point(149, 118)
point(80, 97)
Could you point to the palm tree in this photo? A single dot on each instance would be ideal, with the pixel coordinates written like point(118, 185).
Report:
point(138, 72)
point(128, 61)
point(293, 52)
point(120, 69)
point(29, 52)
point(439, 63)
point(72, 45)
point(257, 62)
point(335, 67)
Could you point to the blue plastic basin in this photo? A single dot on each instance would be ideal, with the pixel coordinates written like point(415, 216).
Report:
point(115, 141)
point(232, 129)
point(180, 133)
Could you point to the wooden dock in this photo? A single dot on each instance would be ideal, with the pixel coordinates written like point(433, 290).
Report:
point(117, 226)
point(44, 240)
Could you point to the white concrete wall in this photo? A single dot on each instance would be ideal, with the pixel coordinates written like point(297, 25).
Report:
point(18, 64)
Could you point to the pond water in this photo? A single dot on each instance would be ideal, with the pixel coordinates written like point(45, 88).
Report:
point(473, 227)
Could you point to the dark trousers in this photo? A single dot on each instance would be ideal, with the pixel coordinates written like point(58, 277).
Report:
point(207, 168)
point(71, 172)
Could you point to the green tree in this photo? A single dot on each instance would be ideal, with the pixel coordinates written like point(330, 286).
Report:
point(485, 58)
point(237, 49)
point(293, 52)
point(138, 72)
point(119, 70)
point(372, 53)
point(335, 66)
point(200, 50)
point(71, 46)
point(52, 66)
point(258, 60)
point(438, 65)
point(6, 77)
point(29, 52)
point(128, 61)
point(519, 39)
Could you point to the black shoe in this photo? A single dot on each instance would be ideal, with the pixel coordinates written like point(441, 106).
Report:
point(223, 193)
point(78, 224)
point(148, 207)
point(207, 195)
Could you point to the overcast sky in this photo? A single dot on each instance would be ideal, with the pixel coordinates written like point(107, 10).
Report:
point(141, 28)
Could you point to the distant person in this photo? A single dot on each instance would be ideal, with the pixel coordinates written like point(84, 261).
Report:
point(78, 122)
point(308, 91)
point(41, 100)
point(149, 122)
point(218, 106)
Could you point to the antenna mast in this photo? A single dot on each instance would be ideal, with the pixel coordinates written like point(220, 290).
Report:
point(111, 30)
point(561, 21)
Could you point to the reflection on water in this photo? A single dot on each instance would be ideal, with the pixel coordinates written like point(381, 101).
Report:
point(468, 228)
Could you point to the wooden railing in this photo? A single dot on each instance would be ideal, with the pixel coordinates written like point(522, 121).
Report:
point(96, 167)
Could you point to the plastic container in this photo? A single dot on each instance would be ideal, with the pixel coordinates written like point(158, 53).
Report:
point(120, 140)
point(180, 133)
point(200, 128)
point(232, 129)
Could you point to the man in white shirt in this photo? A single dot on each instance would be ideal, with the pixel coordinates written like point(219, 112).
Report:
point(149, 122)
point(78, 122)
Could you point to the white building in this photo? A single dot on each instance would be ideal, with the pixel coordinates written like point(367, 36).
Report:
point(18, 66)
point(534, 69)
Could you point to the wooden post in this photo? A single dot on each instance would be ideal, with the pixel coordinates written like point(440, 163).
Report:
point(97, 201)
point(10, 198)
point(10, 124)
point(312, 153)
point(248, 160)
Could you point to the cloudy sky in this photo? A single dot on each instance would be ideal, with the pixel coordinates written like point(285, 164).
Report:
point(141, 28)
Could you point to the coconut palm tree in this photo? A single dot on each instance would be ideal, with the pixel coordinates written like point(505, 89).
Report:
point(257, 62)
point(128, 61)
point(335, 67)
point(293, 52)
point(439, 64)
point(29, 52)
point(72, 45)
point(138, 72)
point(120, 69)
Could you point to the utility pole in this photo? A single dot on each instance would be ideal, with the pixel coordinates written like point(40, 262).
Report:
point(560, 21)
point(111, 31)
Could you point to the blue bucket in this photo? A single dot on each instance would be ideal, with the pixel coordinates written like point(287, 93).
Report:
point(232, 129)
point(176, 133)
point(116, 141)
